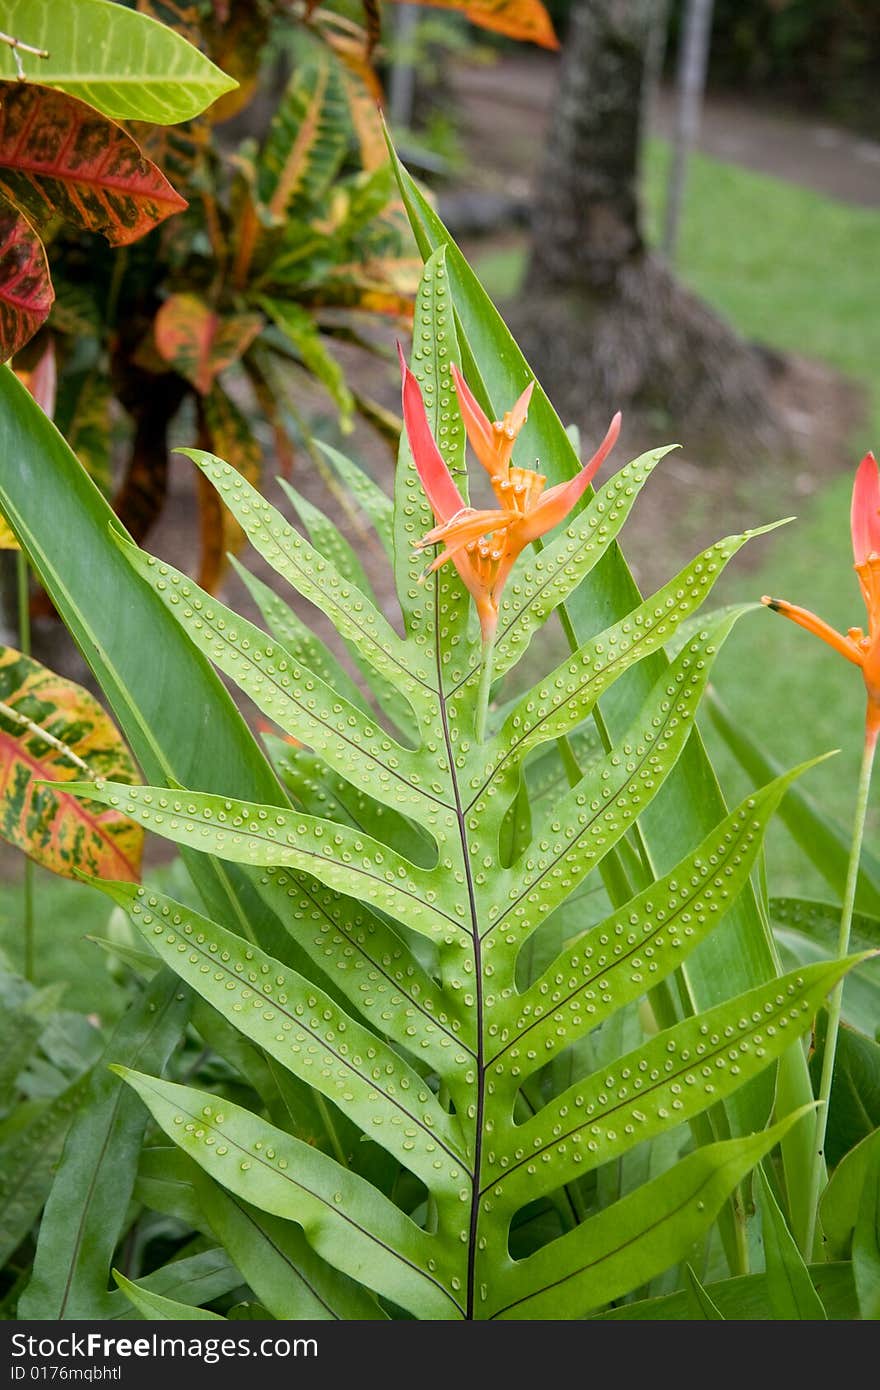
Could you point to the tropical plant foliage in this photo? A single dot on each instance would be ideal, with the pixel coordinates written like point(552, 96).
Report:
point(504, 1013)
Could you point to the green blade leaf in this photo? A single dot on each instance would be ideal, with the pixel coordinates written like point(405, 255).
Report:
point(297, 699)
point(156, 1308)
point(87, 1207)
point(789, 1286)
point(670, 918)
point(344, 1218)
point(745, 1299)
point(368, 495)
point(700, 1302)
point(124, 63)
point(28, 1159)
point(677, 1074)
point(839, 1205)
point(584, 825)
point(354, 617)
point(637, 1237)
point(866, 1245)
point(264, 836)
point(301, 1026)
point(289, 1279)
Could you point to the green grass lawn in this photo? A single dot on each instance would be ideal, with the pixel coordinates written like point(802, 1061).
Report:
point(797, 271)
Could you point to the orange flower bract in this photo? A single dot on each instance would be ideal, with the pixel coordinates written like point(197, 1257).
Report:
point(859, 647)
point(484, 545)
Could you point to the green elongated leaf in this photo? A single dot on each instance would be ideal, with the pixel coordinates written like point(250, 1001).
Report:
point(671, 918)
point(51, 728)
point(839, 1205)
point(174, 711)
point(87, 1206)
point(193, 1279)
point(166, 1182)
point(61, 158)
point(807, 929)
point(302, 1027)
point(289, 629)
point(319, 791)
point(370, 498)
point(27, 1165)
point(740, 955)
point(329, 540)
point(303, 334)
point(745, 1299)
point(20, 1030)
point(26, 292)
point(344, 1218)
point(124, 63)
point(547, 579)
point(332, 544)
point(568, 694)
point(643, 1233)
point(351, 613)
point(825, 844)
point(264, 836)
point(290, 694)
point(289, 1279)
point(307, 139)
point(700, 1302)
point(156, 1308)
point(854, 1109)
point(866, 1245)
point(382, 978)
point(789, 1286)
point(677, 1074)
point(580, 829)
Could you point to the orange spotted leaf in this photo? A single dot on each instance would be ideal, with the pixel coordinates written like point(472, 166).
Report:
point(53, 730)
point(26, 292)
point(198, 343)
point(61, 158)
point(517, 19)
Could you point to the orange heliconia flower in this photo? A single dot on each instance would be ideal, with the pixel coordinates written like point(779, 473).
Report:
point(484, 545)
point(862, 649)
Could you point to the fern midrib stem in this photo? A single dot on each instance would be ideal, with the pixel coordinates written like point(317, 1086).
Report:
point(478, 975)
point(835, 1002)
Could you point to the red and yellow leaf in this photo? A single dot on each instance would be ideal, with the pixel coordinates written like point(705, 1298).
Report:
point(518, 19)
point(60, 158)
point(52, 729)
point(197, 342)
point(26, 292)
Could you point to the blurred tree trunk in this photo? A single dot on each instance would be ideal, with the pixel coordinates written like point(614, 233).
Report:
point(601, 318)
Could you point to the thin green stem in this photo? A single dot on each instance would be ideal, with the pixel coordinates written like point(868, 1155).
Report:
point(24, 646)
point(484, 688)
point(835, 1001)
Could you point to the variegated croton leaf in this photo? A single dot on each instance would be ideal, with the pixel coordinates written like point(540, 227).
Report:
point(52, 730)
point(471, 926)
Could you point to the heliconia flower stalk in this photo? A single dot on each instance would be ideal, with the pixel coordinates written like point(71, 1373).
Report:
point(484, 545)
point(863, 650)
